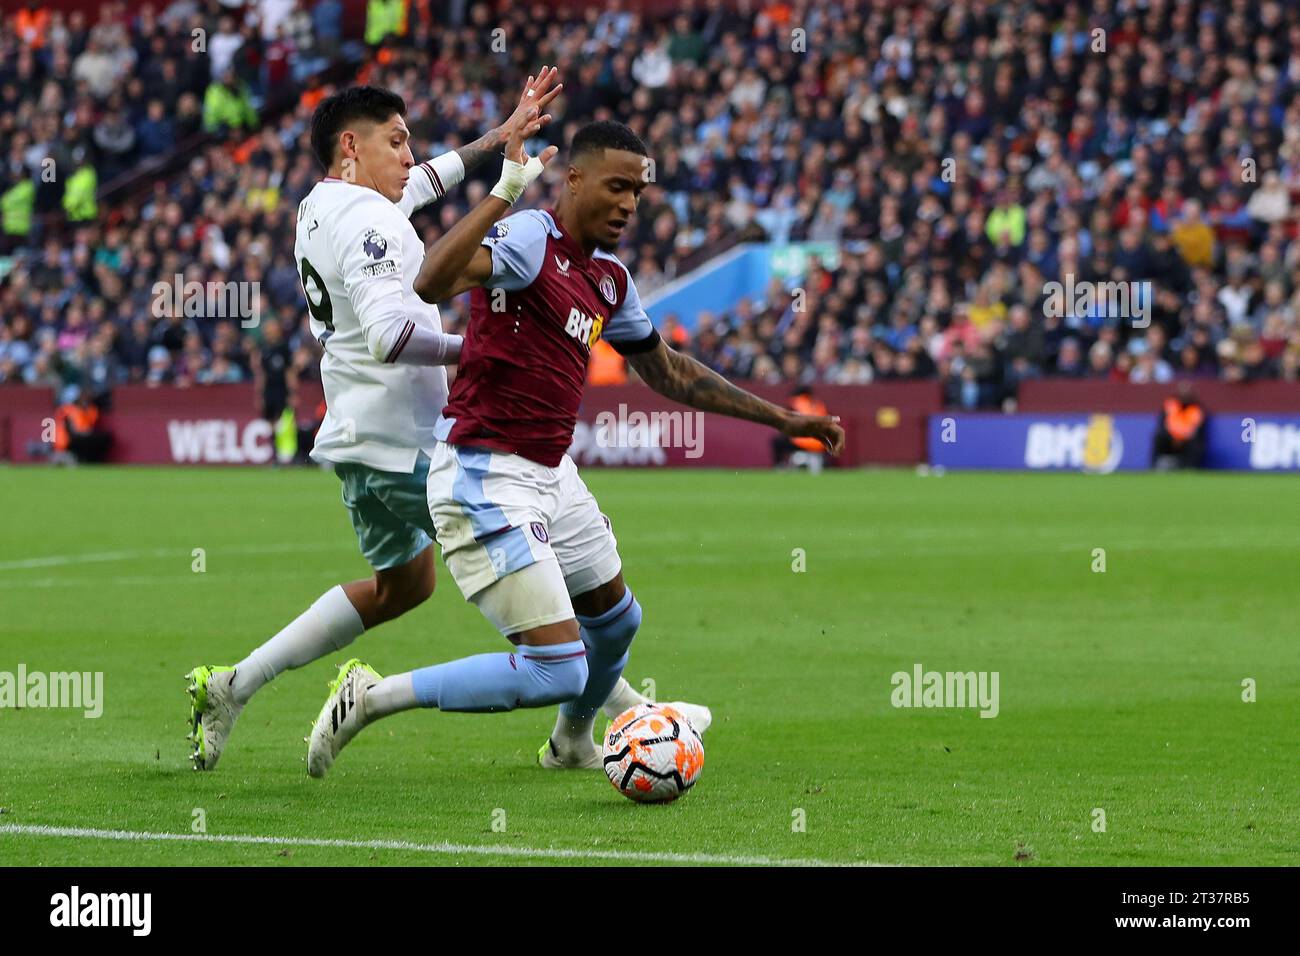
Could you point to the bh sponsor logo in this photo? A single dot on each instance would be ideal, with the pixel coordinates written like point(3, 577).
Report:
point(1275, 447)
point(1095, 446)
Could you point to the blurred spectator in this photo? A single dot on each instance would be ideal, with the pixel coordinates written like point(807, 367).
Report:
point(272, 370)
point(326, 27)
point(1180, 437)
point(1271, 202)
point(606, 366)
point(156, 134)
point(78, 437)
point(384, 18)
point(226, 105)
point(32, 23)
point(959, 158)
point(1193, 236)
point(801, 452)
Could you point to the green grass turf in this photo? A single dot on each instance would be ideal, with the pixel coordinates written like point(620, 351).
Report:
point(1119, 690)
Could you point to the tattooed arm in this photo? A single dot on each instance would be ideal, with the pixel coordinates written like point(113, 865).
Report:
point(683, 379)
point(476, 153)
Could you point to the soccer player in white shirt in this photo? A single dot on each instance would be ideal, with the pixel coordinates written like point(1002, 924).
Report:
point(383, 372)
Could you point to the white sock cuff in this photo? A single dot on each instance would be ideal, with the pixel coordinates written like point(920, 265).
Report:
point(389, 696)
point(339, 619)
point(623, 697)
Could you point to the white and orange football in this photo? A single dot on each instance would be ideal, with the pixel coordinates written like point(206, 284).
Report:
point(652, 753)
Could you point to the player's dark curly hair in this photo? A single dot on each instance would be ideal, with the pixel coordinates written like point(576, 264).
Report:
point(347, 106)
point(605, 134)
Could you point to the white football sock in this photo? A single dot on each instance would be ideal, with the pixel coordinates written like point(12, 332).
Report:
point(390, 695)
point(571, 733)
point(330, 624)
point(621, 698)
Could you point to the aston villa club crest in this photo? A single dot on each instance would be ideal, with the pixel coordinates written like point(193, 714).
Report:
point(374, 245)
point(539, 532)
point(607, 289)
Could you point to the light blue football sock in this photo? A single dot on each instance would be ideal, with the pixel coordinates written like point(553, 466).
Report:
point(530, 677)
point(607, 638)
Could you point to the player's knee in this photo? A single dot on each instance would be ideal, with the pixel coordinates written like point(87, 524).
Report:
point(553, 682)
point(395, 599)
point(569, 679)
point(408, 585)
point(422, 589)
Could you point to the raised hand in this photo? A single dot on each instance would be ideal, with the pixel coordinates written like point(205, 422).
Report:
point(521, 133)
point(531, 113)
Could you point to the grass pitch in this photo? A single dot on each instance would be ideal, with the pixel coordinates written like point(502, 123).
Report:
point(1120, 691)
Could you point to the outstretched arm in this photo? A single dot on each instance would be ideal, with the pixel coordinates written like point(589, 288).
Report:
point(458, 260)
point(683, 379)
point(434, 178)
point(431, 180)
point(373, 286)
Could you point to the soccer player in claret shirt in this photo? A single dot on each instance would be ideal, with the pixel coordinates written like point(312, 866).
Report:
point(519, 531)
point(383, 375)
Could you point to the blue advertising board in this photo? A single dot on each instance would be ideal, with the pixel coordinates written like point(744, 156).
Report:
point(1103, 443)
point(1245, 442)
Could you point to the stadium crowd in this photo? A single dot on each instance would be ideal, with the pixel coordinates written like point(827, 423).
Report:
point(954, 158)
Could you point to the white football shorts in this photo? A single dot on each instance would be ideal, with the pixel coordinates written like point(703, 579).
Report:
point(497, 513)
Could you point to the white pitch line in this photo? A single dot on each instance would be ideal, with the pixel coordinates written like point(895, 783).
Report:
point(54, 560)
point(59, 560)
point(444, 848)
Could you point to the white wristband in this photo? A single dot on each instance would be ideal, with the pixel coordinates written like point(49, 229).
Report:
point(515, 178)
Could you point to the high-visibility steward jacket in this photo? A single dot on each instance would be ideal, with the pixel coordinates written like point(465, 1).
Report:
point(807, 405)
point(1182, 421)
point(16, 208)
point(79, 195)
point(606, 366)
point(383, 18)
point(81, 419)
